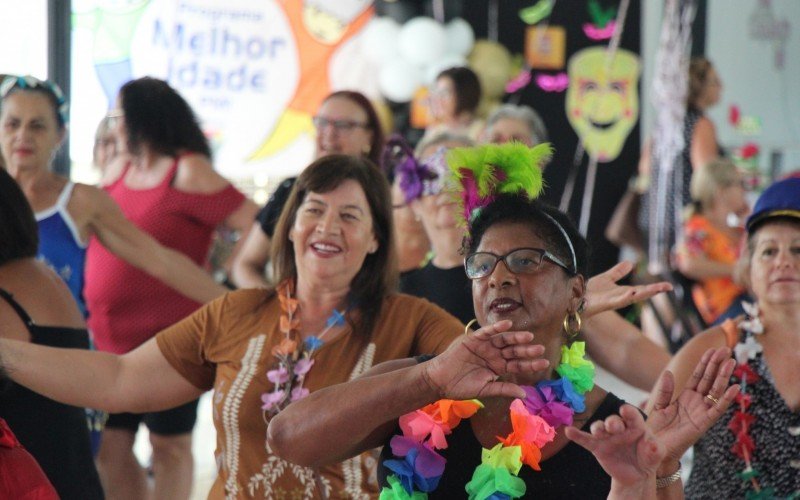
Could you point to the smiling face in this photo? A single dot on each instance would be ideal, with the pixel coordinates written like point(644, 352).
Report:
point(775, 263)
point(534, 302)
point(332, 235)
point(29, 130)
point(342, 128)
point(603, 106)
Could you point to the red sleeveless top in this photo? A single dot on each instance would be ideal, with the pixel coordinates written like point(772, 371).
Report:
point(128, 306)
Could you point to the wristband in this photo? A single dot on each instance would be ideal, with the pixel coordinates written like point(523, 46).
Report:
point(663, 482)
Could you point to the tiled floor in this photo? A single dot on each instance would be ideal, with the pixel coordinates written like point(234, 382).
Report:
point(205, 470)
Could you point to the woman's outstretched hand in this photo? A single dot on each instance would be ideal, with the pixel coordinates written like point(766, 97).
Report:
point(471, 366)
point(624, 446)
point(604, 294)
point(679, 423)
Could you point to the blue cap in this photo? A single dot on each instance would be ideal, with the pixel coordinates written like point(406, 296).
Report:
point(781, 199)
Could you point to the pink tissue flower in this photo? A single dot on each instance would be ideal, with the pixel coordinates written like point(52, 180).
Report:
point(299, 393)
point(303, 366)
point(270, 399)
point(421, 427)
point(278, 376)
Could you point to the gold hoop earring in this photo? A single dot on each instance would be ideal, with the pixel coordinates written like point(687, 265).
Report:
point(569, 319)
point(466, 328)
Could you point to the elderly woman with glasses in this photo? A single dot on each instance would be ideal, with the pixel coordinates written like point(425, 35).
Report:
point(620, 346)
point(346, 123)
point(527, 263)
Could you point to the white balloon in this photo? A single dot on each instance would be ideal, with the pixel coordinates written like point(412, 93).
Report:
point(422, 41)
point(379, 40)
point(399, 79)
point(460, 37)
point(446, 62)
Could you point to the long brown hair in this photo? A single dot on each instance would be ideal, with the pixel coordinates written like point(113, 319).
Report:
point(378, 275)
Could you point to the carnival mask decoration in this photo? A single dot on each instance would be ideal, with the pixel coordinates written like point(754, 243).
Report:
point(603, 100)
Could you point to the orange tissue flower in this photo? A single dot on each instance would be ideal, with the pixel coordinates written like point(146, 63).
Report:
point(285, 348)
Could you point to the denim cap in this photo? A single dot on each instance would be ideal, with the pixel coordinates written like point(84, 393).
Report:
point(781, 199)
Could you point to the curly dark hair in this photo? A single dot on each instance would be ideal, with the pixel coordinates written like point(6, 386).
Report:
point(158, 117)
point(18, 230)
point(378, 275)
point(534, 213)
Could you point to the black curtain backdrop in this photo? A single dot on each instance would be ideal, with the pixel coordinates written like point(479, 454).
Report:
point(612, 177)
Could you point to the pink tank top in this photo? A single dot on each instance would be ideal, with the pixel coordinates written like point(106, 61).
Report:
point(127, 306)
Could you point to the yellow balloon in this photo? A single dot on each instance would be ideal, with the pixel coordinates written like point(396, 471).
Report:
point(493, 64)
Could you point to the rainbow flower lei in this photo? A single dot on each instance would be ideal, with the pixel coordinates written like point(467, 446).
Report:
point(746, 350)
point(417, 467)
point(294, 361)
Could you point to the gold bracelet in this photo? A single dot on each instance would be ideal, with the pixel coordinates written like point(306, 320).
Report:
point(663, 482)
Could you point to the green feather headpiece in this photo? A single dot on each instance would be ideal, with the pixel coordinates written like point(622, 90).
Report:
point(484, 172)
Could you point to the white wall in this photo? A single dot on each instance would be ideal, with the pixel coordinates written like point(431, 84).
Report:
point(23, 37)
point(750, 78)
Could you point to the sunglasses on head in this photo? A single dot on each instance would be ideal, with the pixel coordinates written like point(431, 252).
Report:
point(29, 82)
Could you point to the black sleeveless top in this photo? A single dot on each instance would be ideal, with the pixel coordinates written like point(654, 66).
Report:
point(449, 289)
point(55, 434)
point(571, 473)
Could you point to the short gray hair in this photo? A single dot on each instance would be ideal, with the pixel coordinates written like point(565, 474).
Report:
point(523, 113)
point(442, 138)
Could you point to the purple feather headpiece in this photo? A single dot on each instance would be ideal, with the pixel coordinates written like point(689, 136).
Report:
point(416, 179)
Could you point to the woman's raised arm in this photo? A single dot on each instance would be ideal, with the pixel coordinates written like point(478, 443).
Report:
point(124, 239)
point(469, 368)
point(137, 382)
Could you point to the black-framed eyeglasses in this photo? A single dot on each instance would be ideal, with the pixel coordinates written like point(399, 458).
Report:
point(321, 122)
point(518, 261)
